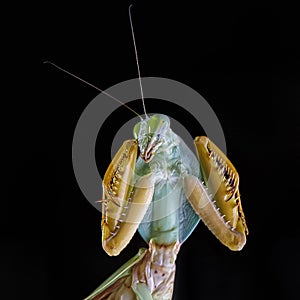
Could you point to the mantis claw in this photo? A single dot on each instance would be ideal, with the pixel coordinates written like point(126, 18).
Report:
point(218, 201)
point(125, 204)
point(211, 216)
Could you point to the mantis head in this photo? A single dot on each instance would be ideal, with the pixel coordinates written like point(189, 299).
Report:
point(150, 134)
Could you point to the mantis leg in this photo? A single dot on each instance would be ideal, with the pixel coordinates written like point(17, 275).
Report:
point(119, 282)
point(129, 281)
point(217, 199)
point(125, 202)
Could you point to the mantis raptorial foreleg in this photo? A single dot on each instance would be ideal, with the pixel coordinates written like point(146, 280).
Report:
point(217, 200)
point(125, 202)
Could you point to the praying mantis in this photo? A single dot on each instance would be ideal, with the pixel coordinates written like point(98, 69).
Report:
point(165, 177)
point(157, 186)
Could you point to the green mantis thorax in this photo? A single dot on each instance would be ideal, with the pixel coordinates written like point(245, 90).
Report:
point(164, 155)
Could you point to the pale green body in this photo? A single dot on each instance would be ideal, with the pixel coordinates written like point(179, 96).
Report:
point(170, 218)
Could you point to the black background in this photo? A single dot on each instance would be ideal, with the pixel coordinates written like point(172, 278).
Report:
point(242, 58)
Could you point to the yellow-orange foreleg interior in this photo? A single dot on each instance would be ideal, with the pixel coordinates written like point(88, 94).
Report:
point(217, 200)
point(125, 202)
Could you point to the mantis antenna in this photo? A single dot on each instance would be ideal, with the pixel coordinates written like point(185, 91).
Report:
point(93, 86)
point(137, 60)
